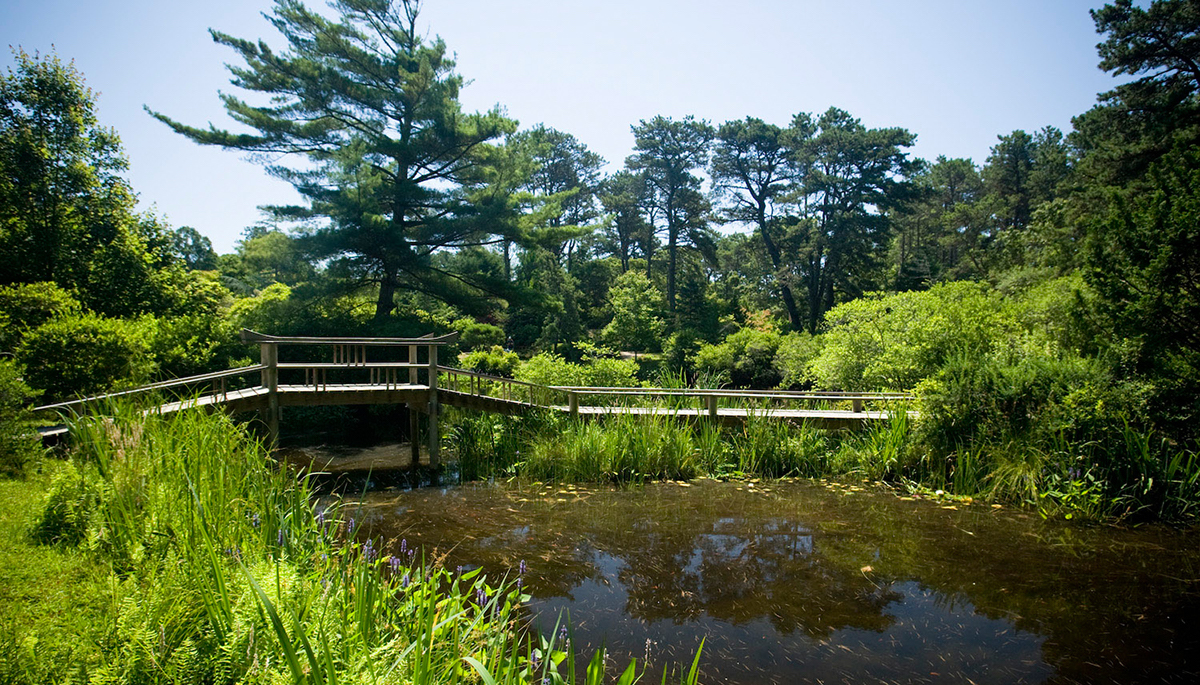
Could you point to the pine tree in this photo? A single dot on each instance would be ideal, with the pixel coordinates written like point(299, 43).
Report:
point(386, 156)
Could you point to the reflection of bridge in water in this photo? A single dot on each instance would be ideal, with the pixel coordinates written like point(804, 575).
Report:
point(405, 371)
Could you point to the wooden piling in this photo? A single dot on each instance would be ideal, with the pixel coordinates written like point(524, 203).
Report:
point(434, 435)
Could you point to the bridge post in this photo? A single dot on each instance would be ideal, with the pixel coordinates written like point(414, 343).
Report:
point(712, 407)
point(434, 436)
point(414, 421)
point(573, 403)
point(270, 380)
point(857, 405)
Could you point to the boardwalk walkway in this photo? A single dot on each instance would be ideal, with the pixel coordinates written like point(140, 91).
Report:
point(406, 371)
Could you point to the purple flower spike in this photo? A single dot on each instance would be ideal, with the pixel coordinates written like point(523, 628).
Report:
point(403, 545)
point(369, 550)
point(459, 570)
point(411, 553)
point(279, 537)
point(405, 581)
point(255, 520)
point(394, 562)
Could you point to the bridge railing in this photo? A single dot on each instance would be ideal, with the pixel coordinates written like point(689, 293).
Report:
point(349, 360)
point(706, 400)
point(217, 383)
point(497, 387)
point(711, 400)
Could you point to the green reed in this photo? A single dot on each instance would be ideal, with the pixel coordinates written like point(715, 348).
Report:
point(226, 571)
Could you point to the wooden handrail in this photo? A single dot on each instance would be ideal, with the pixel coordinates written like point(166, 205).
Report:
point(250, 336)
point(364, 365)
point(498, 379)
point(588, 389)
point(732, 394)
point(161, 385)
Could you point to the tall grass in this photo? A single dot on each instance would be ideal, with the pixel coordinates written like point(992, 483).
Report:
point(225, 572)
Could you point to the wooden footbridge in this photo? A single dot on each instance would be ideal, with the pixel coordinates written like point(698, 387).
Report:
point(395, 371)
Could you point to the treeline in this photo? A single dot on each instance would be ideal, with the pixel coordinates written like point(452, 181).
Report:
point(1043, 302)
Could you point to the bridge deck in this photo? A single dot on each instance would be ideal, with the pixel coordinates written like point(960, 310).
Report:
point(386, 381)
point(825, 418)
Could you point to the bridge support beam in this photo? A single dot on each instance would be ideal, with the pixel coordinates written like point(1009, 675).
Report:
point(435, 438)
point(414, 432)
point(270, 381)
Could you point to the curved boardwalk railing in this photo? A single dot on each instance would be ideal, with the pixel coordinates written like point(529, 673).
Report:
point(406, 371)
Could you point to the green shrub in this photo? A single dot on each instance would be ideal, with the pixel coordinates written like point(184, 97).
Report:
point(892, 342)
point(475, 336)
point(679, 353)
point(551, 369)
point(193, 344)
point(24, 307)
point(19, 443)
point(84, 355)
point(74, 496)
point(272, 311)
point(746, 359)
point(494, 362)
point(635, 325)
point(1025, 395)
point(796, 352)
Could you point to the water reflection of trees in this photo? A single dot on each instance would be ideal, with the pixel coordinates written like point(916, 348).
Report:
point(737, 574)
point(1103, 599)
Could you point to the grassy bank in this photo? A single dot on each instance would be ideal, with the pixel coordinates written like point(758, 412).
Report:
point(170, 550)
point(1136, 476)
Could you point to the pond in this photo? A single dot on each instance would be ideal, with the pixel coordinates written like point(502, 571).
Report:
point(812, 582)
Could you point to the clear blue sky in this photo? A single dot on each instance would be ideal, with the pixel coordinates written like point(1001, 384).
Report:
point(955, 72)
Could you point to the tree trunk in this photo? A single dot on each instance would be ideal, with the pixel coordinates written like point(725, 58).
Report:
point(776, 259)
point(387, 295)
point(672, 240)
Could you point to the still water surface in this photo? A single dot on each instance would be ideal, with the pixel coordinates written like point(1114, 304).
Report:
point(813, 583)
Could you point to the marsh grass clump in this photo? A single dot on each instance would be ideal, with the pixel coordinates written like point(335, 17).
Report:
point(766, 447)
point(224, 570)
point(620, 449)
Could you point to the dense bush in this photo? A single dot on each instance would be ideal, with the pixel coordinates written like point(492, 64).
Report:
point(474, 335)
point(1026, 396)
point(84, 355)
point(796, 352)
point(551, 369)
point(193, 344)
point(679, 353)
point(746, 359)
point(24, 307)
point(892, 342)
point(635, 325)
point(18, 440)
point(494, 362)
point(272, 311)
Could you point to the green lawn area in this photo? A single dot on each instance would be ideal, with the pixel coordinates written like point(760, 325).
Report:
point(54, 602)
